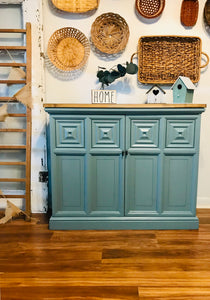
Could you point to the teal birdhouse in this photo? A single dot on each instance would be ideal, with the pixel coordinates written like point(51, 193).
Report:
point(183, 90)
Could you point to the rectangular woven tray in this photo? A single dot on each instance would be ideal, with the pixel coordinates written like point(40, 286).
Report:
point(162, 59)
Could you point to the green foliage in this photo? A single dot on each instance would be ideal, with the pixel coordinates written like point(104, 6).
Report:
point(107, 77)
point(131, 68)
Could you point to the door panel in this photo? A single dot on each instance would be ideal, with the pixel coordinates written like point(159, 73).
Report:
point(106, 185)
point(106, 132)
point(70, 132)
point(180, 133)
point(70, 185)
point(178, 188)
point(141, 184)
point(144, 133)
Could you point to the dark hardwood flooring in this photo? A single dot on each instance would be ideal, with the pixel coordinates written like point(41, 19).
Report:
point(36, 263)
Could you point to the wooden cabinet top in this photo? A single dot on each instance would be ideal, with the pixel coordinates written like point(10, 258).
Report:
point(159, 105)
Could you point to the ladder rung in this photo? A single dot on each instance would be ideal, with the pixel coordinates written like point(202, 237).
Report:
point(13, 196)
point(12, 64)
point(12, 147)
point(12, 130)
point(16, 115)
point(12, 179)
point(12, 47)
point(6, 81)
point(3, 99)
point(5, 30)
point(12, 163)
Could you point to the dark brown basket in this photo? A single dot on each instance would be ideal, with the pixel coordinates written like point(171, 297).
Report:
point(162, 59)
point(110, 33)
point(150, 8)
point(189, 12)
point(207, 12)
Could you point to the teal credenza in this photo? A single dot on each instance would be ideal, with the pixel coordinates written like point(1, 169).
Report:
point(123, 166)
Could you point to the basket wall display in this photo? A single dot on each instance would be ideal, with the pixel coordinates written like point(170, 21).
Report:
point(162, 59)
point(110, 33)
point(207, 12)
point(68, 49)
point(76, 6)
point(150, 8)
point(189, 12)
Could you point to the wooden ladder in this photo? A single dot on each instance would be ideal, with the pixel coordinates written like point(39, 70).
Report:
point(27, 115)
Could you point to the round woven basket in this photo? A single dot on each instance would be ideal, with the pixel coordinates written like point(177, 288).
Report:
point(68, 49)
point(150, 8)
point(110, 33)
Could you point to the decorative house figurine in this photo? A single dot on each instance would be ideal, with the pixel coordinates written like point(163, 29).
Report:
point(183, 90)
point(155, 94)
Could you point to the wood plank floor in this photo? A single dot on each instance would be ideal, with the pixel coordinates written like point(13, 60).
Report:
point(36, 263)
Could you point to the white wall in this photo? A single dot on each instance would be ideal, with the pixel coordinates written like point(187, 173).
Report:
point(129, 90)
point(32, 12)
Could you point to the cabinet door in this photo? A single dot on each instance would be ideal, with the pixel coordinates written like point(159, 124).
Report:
point(69, 185)
point(179, 188)
point(68, 158)
point(106, 166)
point(180, 166)
point(141, 184)
point(142, 161)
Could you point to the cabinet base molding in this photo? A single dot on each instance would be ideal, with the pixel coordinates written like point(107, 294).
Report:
point(169, 223)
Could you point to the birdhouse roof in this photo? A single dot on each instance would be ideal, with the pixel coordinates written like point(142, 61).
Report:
point(157, 87)
point(187, 82)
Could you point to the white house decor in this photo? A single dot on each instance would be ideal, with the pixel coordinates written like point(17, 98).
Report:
point(183, 90)
point(155, 94)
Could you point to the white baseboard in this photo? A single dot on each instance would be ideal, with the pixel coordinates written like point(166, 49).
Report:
point(203, 202)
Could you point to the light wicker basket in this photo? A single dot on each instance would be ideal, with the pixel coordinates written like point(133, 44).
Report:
point(68, 49)
point(110, 33)
point(150, 8)
point(162, 59)
point(76, 6)
point(189, 12)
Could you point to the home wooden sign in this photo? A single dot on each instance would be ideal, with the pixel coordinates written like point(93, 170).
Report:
point(103, 96)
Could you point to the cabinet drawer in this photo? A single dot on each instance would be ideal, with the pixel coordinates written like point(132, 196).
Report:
point(144, 133)
point(180, 133)
point(70, 133)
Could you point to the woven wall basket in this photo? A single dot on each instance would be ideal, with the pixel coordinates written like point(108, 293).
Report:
point(68, 49)
point(76, 6)
point(150, 8)
point(110, 33)
point(189, 12)
point(162, 59)
point(207, 12)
